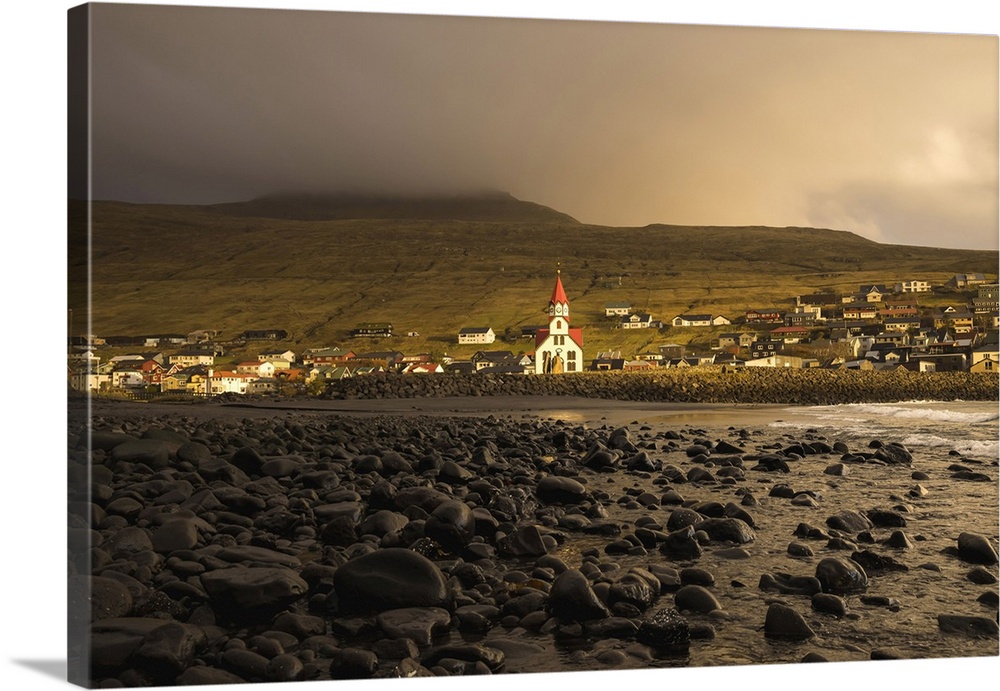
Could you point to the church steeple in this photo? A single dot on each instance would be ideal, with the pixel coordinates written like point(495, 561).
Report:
point(559, 303)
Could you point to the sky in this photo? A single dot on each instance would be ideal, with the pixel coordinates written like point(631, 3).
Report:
point(891, 135)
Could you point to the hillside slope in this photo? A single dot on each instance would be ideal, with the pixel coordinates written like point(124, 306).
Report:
point(173, 269)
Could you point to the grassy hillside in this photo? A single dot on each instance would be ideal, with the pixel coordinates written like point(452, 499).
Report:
point(163, 269)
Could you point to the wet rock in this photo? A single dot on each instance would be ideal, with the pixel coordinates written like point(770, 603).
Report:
point(109, 598)
point(169, 649)
point(785, 623)
point(573, 599)
point(681, 544)
point(980, 576)
point(789, 584)
point(849, 522)
point(666, 631)
point(554, 489)
point(797, 549)
point(392, 578)
point(894, 454)
point(968, 625)
point(419, 624)
point(829, 604)
point(452, 525)
point(526, 541)
point(839, 575)
point(976, 549)
point(727, 530)
point(246, 589)
point(870, 561)
point(695, 598)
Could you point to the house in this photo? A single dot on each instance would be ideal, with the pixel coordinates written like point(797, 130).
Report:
point(863, 311)
point(871, 293)
point(912, 286)
point(484, 359)
point(764, 348)
point(789, 334)
point(617, 309)
point(227, 381)
point(326, 356)
point(818, 299)
point(738, 340)
point(963, 281)
point(257, 368)
point(558, 348)
point(898, 309)
point(460, 367)
point(901, 324)
point(423, 368)
point(262, 387)
point(959, 320)
point(699, 320)
point(985, 358)
point(476, 335)
point(986, 302)
point(775, 360)
point(190, 358)
point(671, 350)
point(386, 358)
point(764, 316)
point(803, 316)
point(942, 362)
point(330, 372)
point(280, 358)
point(263, 335)
point(734, 340)
point(372, 330)
point(639, 320)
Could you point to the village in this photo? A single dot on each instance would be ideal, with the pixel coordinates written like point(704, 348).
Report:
point(878, 327)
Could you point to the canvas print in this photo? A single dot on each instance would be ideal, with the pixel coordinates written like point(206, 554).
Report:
point(429, 346)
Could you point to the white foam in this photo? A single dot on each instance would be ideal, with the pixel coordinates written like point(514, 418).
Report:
point(966, 447)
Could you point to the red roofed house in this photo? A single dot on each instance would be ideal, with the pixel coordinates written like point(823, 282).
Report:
point(558, 348)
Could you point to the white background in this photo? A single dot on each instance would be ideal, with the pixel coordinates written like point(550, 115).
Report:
point(32, 483)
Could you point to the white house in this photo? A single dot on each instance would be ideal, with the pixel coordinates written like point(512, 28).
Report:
point(699, 320)
point(476, 335)
point(617, 309)
point(558, 348)
point(913, 286)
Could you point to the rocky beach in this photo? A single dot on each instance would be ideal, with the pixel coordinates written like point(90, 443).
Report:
point(391, 537)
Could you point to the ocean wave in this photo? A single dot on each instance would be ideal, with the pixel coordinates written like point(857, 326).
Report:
point(966, 447)
point(850, 412)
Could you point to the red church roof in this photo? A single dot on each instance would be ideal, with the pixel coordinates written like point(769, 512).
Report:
point(558, 294)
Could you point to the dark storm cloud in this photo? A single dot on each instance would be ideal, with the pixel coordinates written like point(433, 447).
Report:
point(615, 123)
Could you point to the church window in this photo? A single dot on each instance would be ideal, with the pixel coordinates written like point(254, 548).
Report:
point(571, 355)
point(571, 367)
point(558, 324)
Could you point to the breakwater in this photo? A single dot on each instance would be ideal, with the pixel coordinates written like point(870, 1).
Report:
point(751, 385)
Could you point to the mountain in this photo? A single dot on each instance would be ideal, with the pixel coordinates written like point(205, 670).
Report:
point(331, 207)
point(175, 269)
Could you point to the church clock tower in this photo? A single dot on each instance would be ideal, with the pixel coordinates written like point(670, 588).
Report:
point(558, 348)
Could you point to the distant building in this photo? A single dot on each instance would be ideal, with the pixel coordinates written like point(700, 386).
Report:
point(913, 286)
point(476, 335)
point(617, 309)
point(372, 330)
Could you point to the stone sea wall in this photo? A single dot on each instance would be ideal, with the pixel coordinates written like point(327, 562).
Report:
point(751, 385)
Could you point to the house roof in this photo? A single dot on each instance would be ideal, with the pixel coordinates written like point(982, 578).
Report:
point(695, 317)
point(617, 305)
point(493, 355)
point(475, 330)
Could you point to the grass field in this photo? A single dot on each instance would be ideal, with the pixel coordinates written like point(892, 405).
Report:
point(173, 269)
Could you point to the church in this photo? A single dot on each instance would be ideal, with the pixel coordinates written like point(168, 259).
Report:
point(558, 348)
